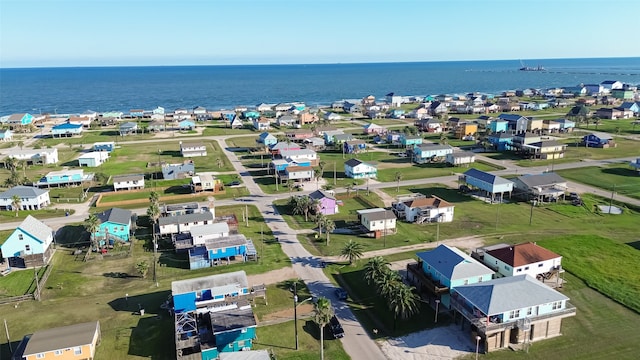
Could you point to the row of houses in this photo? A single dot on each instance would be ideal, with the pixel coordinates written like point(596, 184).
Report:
point(504, 293)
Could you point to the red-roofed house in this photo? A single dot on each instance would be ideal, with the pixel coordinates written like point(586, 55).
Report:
point(424, 209)
point(526, 258)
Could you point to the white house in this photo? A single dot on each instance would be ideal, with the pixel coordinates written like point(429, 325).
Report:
point(522, 259)
point(425, 209)
point(183, 223)
point(193, 149)
point(302, 173)
point(378, 220)
point(261, 124)
point(460, 158)
point(36, 156)
point(128, 182)
point(31, 198)
point(6, 135)
point(356, 169)
point(201, 233)
point(299, 155)
point(93, 159)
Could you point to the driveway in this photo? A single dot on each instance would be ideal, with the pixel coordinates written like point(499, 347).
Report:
point(434, 344)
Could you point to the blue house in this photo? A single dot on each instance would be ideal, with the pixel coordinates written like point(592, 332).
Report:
point(631, 106)
point(267, 139)
point(107, 146)
point(501, 141)
point(598, 140)
point(489, 183)
point(20, 119)
point(6, 135)
point(64, 177)
point(29, 244)
point(186, 125)
point(329, 136)
point(354, 146)
point(512, 310)
point(218, 250)
point(498, 126)
point(66, 129)
point(213, 315)
point(393, 137)
point(250, 114)
point(446, 268)
point(427, 152)
point(409, 140)
point(115, 225)
point(516, 123)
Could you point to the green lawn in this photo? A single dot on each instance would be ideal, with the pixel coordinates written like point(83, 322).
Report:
point(622, 126)
point(19, 282)
point(10, 216)
point(220, 129)
point(625, 179)
point(280, 340)
point(420, 171)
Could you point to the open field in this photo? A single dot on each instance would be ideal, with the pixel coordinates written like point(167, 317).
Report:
point(219, 128)
point(618, 127)
point(625, 179)
point(10, 216)
point(19, 282)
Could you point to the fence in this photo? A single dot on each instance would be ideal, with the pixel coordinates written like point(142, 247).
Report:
point(37, 292)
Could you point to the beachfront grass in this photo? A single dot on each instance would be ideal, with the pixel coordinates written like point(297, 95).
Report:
point(279, 339)
point(621, 176)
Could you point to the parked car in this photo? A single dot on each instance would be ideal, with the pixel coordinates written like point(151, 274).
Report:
point(464, 189)
point(341, 294)
point(234, 183)
point(336, 329)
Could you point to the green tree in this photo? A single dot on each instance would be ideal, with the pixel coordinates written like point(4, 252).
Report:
point(402, 301)
point(15, 203)
point(154, 198)
point(92, 224)
point(21, 144)
point(398, 177)
point(387, 282)
point(219, 162)
point(329, 226)
point(142, 267)
point(321, 166)
point(297, 205)
point(375, 268)
point(322, 314)
point(320, 219)
point(352, 251)
point(349, 188)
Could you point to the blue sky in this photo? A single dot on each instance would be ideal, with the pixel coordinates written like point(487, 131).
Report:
point(213, 32)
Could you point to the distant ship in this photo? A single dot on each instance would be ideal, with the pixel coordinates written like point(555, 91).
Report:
point(529, 68)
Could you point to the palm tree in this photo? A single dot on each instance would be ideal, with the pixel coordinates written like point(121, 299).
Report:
point(153, 212)
point(398, 177)
point(349, 188)
point(154, 198)
point(320, 218)
point(313, 205)
point(403, 302)
point(15, 203)
point(321, 166)
point(92, 224)
point(375, 268)
point(21, 144)
point(387, 282)
point(352, 251)
point(219, 162)
point(322, 314)
point(142, 267)
point(329, 226)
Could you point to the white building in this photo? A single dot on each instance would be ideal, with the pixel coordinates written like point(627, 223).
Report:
point(378, 220)
point(425, 209)
point(93, 159)
point(36, 156)
point(128, 182)
point(31, 198)
point(526, 258)
point(201, 233)
point(193, 149)
point(299, 155)
point(183, 223)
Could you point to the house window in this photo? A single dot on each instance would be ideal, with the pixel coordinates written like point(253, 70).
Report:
point(529, 311)
point(40, 356)
point(526, 268)
point(77, 350)
point(466, 282)
point(540, 265)
point(58, 352)
point(27, 248)
point(556, 305)
point(241, 343)
point(519, 270)
point(20, 237)
point(514, 314)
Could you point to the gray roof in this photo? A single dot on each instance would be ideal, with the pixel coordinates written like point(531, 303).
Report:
point(453, 263)
point(121, 178)
point(25, 192)
point(215, 228)
point(36, 228)
point(245, 355)
point(378, 214)
point(180, 219)
point(462, 154)
point(601, 135)
point(545, 179)
point(428, 147)
point(116, 216)
point(508, 293)
point(62, 338)
point(319, 194)
point(227, 320)
point(210, 282)
point(225, 242)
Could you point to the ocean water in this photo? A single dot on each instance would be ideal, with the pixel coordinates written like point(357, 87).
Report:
point(74, 90)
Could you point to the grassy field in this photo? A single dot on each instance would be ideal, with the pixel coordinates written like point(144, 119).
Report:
point(622, 126)
point(219, 128)
point(19, 282)
point(621, 176)
point(280, 340)
point(10, 216)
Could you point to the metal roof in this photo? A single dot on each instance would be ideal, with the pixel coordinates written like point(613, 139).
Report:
point(238, 278)
point(319, 194)
point(522, 254)
point(62, 338)
point(546, 179)
point(115, 215)
point(37, 229)
point(227, 320)
point(25, 192)
point(179, 219)
point(245, 355)
point(486, 177)
point(215, 228)
point(508, 293)
point(121, 178)
point(453, 263)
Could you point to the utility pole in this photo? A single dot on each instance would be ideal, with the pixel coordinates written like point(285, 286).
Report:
point(246, 210)
point(295, 310)
point(611, 199)
point(334, 173)
point(533, 202)
point(6, 329)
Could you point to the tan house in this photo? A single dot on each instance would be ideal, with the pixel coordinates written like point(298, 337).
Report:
point(306, 117)
point(77, 341)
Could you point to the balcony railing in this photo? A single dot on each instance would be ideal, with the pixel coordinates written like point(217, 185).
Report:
point(424, 281)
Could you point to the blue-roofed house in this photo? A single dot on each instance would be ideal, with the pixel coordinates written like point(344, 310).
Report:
point(634, 107)
point(598, 140)
point(66, 129)
point(267, 139)
point(212, 315)
point(566, 125)
point(429, 152)
point(128, 128)
point(409, 141)
point(510, 311)
point(115, 225)
point(29, 244)
point(440, 270)
point(635, 164)
point(515, 123)
point(186, 125)
point(491, 184)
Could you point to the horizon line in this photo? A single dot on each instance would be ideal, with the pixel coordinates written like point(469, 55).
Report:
point(307, 64)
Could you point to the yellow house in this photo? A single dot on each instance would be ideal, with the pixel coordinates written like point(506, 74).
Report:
point(466, 129)
point(73, 342)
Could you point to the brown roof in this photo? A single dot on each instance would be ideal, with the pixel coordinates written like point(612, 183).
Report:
point(523, 254)
point(62, 338)
point(432, 201)
point(291, 169)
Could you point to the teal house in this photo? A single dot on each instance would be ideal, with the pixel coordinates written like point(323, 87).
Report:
point(213, 315)
point(29, 244)
point(409, 140)
point(250, 114)
point(447, 267)
point(267, 139)
point(20, 119)
point(428, 152)
point(497, 126)
point(186, 125)
point(64, 177)
point(66, 129)
point(115, 225)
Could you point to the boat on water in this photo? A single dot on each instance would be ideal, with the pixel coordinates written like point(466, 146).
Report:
point(530, 68)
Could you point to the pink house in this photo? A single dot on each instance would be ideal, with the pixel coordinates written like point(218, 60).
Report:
point(327, 204)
